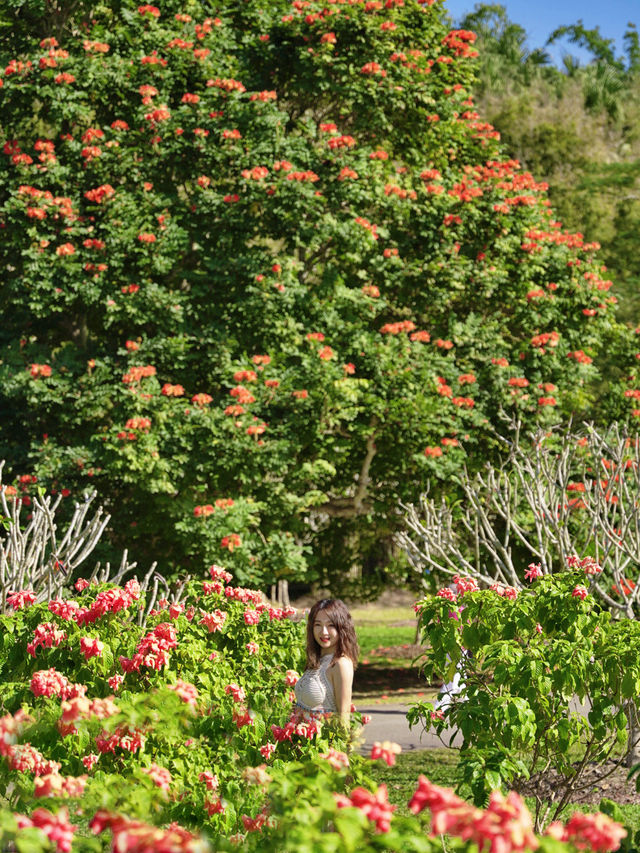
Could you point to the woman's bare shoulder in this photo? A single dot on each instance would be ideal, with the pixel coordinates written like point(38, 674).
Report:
point(344, 664)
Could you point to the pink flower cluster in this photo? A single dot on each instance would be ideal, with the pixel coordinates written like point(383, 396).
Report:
point(464, 584)
point(123, 737)
point(251, 617)
point(595, 832)
point(505, 826)
point(277, 613)
point(65, 609)
point(27, 759)
point(10, 728)
point(588, 565)
point(335, 758)
point(56, 827)
point(387, 751)
point(187, 692)
point(236, 691)
point(503, 591)
point(49, 682)
point(210, 780)
point(153, 649)
point(376, 806)
point(246, 596)
point(296, 726)
point(81, 708)
point(255, 824)
point(109, 601)
point(115, 681)
point(91, 647)
point(214, 620)
point(90, 760)
point(160, 776)
point(212, 587)
point(134, 836)
point(54, 785)
point(18, 600)
point(243, 717)
point(447, 593)
point(46, 635)
point(533, 571)
point(219, 574)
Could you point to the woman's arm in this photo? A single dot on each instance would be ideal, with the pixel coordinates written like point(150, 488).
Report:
point(342, 672)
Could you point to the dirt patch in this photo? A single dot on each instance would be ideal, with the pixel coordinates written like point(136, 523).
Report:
point(407, 651)
point(381, 679)
point(377, 677)
point(594, 787)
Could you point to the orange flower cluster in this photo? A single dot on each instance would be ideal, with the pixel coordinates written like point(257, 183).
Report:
point(398, 327)
point(242, 394)
point(303, 176)
point(135, 374)
point(39, 371)
point(99, 194)
point(202, 399)
point(227, 85)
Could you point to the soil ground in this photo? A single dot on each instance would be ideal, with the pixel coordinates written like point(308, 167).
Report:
point(594, 787)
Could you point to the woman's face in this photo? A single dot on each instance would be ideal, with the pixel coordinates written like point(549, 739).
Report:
point(325, 633)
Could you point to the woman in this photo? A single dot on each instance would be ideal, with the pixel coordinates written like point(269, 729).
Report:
point(332, 655)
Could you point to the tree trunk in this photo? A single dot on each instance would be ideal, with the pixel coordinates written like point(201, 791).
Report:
point(633, 728)
point(283, 593)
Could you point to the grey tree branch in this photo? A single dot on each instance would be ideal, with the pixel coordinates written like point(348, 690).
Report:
point(554, 494)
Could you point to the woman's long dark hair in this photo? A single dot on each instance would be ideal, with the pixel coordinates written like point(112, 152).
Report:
point(347, 645)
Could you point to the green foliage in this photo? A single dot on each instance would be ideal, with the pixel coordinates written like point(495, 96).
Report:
point(181, 758)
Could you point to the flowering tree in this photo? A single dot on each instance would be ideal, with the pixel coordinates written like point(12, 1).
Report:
point(269, 272)
point(554, 494)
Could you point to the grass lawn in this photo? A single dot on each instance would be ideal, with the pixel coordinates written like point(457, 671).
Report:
point(374, 640)
point(380, 628)
point(386, 635)
point(439, 766)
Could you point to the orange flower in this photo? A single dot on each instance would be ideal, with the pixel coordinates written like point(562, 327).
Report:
point(201, 399)
point(66, 249)
point(231, 541)
point(39, 370)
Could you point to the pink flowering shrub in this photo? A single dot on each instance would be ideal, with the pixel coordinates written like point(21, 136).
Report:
point(192, 704)
point(202, 748)
point(521, 657)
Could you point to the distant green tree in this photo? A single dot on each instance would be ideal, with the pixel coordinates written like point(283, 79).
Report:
point(502, 44)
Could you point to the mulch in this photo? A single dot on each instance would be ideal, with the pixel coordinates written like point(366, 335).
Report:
point(594, 787)
point(377, 677)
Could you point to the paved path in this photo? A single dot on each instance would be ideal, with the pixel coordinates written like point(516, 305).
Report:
point(389, 722)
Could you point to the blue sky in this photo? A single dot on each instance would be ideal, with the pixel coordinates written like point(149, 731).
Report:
point(540, 17)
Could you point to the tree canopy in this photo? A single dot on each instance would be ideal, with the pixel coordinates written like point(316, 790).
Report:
point(266, 272)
